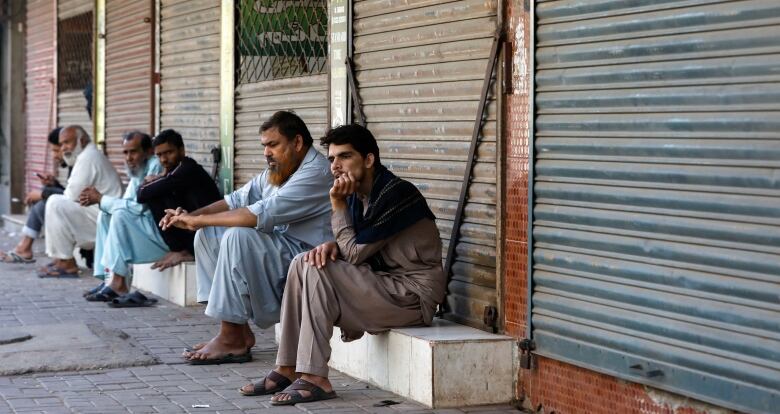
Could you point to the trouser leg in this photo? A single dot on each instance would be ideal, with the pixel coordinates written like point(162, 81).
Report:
point(207, 242)
point(34, 224)
point(340, 294)
point(103, 224)
point(249, 278)
point(68, 225)
point(131, 238)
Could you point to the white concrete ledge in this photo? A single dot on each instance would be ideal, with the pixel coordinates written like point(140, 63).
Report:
point(177, 284)
point(445, 365)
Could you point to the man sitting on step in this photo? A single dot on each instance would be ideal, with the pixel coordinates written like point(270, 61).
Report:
point(126, 232)
point(23, 252)
point(67, 223)
point(382, 271)
point(246, 241)
point(133, 235)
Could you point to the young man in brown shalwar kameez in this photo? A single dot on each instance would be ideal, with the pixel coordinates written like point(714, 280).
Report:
point(383, 270)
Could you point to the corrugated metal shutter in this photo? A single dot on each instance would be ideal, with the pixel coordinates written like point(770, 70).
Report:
point(307, 96)
point(40, 76)
point(420, 68)
point(71, 110)
point(129, 67)
point(71, 104)
point(657, 217)
point(189, 54)
point(71, 8)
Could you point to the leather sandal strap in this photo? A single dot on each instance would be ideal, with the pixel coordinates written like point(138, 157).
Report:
point(301, 384)
point(276, 377)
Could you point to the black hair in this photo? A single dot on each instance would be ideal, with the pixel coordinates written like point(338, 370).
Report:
point(54, 136)
point(289, 124)
point(361, 139)
point(146, 140)
point(168, 136)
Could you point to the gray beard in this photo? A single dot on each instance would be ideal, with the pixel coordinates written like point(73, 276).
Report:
point(134, 172)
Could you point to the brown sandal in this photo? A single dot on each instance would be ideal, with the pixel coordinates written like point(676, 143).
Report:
point(281, 381)
point(317, 393)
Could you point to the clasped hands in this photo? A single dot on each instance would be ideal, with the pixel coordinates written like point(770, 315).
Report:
point(179, 218)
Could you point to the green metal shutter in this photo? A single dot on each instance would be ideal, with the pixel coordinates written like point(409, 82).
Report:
point(420, 66)
point(656, 225)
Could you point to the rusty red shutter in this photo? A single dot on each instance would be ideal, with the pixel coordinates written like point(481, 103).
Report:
point(129, 67)
point(40, 87)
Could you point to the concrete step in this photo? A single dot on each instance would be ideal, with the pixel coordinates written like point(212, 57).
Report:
point(177, 284)
point(13, 223)
point(444, 365)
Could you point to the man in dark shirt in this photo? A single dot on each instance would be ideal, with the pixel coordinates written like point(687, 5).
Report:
point(23, 253)
point(184, 184)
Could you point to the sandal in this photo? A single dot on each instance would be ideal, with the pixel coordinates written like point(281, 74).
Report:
point(103, 295)
point(281, 381)
point(132, 300)
point(226, 359)
point(56, 272)
point(317, 393)
point(95, 289)
point(13, 257)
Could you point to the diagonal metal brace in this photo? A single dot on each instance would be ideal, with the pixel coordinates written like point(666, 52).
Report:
point(354, 90)
point(498, 39)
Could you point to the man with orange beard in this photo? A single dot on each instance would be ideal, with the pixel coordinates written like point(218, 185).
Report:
point(244, 243)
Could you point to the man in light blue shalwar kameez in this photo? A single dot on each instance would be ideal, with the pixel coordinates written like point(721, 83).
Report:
point(245, 242)
point(126, 231)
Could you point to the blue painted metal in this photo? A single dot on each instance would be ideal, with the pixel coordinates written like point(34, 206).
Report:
point(656, 220)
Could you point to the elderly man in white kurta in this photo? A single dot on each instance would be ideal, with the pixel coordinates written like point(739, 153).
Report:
point(246, 241)
point(68, 224)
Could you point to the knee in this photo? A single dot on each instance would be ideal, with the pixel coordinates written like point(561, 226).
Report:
point(201, 239)
point(121, 215)
point(297, 268)
point(54, 204)
point(236, 236)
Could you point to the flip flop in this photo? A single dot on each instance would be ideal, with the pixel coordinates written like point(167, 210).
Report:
point(226, 359)
point(281, 381)
point(13, 257)
point(103, 295)
point(58, 273)
point(132, 300)
point(316, 393)
point(95, 289)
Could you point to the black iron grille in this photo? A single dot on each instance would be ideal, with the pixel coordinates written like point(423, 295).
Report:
point(280, 39)
point(74, 52)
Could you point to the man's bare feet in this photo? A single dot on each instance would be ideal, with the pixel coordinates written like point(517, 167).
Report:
point(249, 337)
point(172, 259)
point(269, 384)
point(6, 258)
point(65, 265)
point(321, 382)
point(232, 338)
point(119, 285)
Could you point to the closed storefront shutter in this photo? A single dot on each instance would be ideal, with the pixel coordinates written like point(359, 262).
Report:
point(255, 102)
point(189, 59)
point(282, 55)
point(129, 67)
point(40, 86)
point(420, 67)
point(656, 225)
point(74, 62)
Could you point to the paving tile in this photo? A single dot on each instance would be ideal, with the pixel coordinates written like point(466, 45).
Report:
point(172, 386)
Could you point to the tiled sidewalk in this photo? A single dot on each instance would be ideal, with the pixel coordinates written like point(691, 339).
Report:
point(169, 387)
